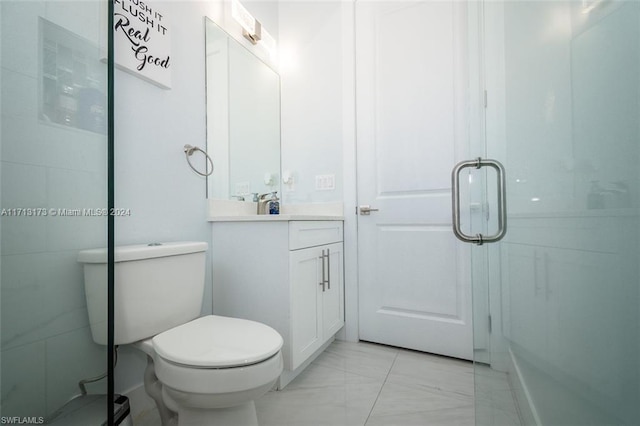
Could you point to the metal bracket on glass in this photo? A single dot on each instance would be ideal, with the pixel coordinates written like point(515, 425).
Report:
point(502, 201)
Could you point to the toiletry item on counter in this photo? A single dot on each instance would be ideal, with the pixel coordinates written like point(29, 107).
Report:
point(274, 203)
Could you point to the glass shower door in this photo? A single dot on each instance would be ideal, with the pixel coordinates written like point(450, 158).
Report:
point(53, 139)
point(563, 287)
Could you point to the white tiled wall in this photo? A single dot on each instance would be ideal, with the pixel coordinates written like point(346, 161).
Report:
point(315, 117)
point(23, 372)
point(46, 343)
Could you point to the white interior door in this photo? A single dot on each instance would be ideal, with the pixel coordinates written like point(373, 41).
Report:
point(413, 120)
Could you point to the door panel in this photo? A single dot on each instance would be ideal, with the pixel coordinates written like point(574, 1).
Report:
point(306, 304)
point(422, 290)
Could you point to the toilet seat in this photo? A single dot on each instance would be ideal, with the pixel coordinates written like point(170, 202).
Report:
point(218, 358)
point(216, 342)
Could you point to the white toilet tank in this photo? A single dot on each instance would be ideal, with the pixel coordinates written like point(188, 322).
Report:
point(157, 287)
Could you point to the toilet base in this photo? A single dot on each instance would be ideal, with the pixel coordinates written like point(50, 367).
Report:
point(241, 415)
point(178, 408)
point(214, 397)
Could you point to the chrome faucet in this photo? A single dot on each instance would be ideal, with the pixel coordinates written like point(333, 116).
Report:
point(262, 203)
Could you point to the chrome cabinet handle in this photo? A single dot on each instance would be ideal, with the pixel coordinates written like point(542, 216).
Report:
point(322, 283)
point(328, 269)
point(502, 201)
point(366, 210)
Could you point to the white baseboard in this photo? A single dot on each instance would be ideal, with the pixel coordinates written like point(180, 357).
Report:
point(528, 413)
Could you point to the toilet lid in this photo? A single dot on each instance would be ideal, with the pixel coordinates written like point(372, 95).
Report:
point(215, 342)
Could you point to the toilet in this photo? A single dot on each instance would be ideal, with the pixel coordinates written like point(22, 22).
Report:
point(200, 370)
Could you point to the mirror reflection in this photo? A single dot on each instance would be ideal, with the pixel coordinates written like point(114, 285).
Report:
point(605, 110)
point(243, 119)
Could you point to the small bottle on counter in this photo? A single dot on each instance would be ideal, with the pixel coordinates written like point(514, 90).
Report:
point(274, 203)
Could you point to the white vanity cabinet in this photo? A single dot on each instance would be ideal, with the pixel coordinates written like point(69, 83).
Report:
point(317, 308)
point(286, 274)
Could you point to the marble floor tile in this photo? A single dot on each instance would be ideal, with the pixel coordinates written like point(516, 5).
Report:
point(358, 384)
point(498, 399)
point(364, 359)
point(435, 362)
point(347, 405)
point(317, 376)
point(147, 418)
point(460, 416)
point(489, 414)
point(428, 362)
point(495, 400)
point(487, 379)
point(422, 371)
point(398, 399)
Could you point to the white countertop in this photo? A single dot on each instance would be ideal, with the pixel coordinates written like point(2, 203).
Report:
point(271, 218)
point(236, 211)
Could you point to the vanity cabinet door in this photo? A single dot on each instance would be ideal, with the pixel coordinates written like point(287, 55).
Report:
point(333, 294)
point(306, 304)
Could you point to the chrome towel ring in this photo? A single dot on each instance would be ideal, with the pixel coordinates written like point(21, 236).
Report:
point(188, 152)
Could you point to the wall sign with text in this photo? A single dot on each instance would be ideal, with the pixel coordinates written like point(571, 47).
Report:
point(142, 41)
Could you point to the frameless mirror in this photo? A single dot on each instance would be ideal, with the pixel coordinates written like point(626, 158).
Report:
point(243, 119)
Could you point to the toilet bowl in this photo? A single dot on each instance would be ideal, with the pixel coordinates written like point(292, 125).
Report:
point(212, 368)
point(200, 371)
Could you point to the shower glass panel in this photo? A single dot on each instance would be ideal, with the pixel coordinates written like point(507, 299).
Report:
point(53, 197)
point(563, 114)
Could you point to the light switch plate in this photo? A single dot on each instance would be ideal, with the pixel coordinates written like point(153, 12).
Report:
point(325, 182)
point(243, 188)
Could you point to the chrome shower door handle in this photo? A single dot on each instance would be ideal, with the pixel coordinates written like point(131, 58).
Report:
point(502, 201)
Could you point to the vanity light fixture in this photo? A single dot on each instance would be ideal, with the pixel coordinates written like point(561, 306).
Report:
point(251, 27)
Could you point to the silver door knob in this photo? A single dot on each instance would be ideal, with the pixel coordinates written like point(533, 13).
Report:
point(366, 210)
